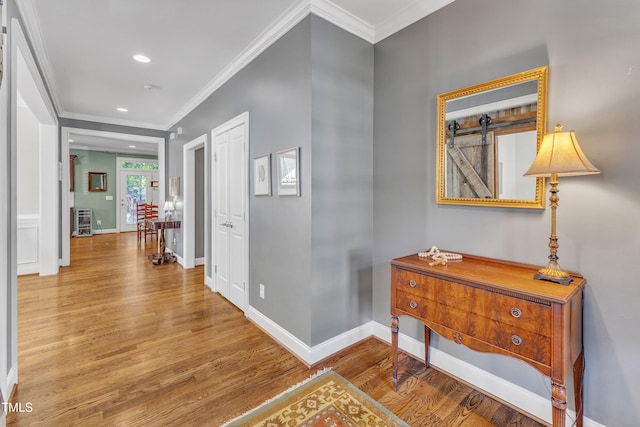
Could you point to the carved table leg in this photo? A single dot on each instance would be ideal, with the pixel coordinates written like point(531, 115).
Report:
point(161, 242)
point(559, 402)
point(394, 348)
point(578, 370)
point(427, 338)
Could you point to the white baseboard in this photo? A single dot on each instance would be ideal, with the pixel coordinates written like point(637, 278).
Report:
point(208, 281)
point(307, 354)
point(28, 268)
point(527, 401)
point(106, 231)
point(179, 260)
point(197, 261)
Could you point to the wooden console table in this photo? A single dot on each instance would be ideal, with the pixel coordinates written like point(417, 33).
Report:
point(160, 225)
point(495, 306)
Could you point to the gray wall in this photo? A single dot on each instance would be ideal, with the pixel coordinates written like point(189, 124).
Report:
point(594, 87)
point(312, 89)
point(200, 201)
point(276, 91)
point(342, 191)
point(108, 127)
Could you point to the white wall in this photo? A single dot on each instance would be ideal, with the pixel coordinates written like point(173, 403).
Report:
point(28, 190)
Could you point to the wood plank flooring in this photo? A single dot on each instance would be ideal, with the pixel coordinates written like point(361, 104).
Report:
point(116, 341)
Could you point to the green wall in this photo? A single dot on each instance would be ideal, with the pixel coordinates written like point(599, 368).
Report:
point(98, 161)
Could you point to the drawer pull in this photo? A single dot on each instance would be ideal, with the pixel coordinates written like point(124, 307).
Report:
point(413, 304)
point(516, 312)
point(516, 340)
point(412, 283)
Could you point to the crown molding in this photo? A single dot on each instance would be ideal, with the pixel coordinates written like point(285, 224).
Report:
point(325, 9)
point(407, 16)
point(281, 26)
point(343, 19)
point(32, 28)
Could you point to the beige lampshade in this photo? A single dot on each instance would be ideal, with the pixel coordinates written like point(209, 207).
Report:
point(560, 154)
point(168, 206)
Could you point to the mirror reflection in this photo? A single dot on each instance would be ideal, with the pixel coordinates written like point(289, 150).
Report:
point(488, 135)
point(97, 181)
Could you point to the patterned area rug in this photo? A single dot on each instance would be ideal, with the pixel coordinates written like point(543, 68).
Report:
point(327, 400)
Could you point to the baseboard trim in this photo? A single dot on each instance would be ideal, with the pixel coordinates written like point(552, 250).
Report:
point(28, 268)
point(526, 401)
point(309, 355)
point(197, 261)
point(179, 260)
point(208, 281)
point(106, 231)
point(521, 398)
point(10, 385)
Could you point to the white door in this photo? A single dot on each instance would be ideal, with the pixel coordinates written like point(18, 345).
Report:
point(230, 199)
point(135, 187)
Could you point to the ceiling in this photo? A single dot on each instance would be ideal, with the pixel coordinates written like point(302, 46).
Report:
point(85, 48)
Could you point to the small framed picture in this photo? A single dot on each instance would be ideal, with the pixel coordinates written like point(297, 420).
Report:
point(289, 172)
point(262, 175)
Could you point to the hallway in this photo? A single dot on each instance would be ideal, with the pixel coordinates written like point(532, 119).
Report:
point(114, 340)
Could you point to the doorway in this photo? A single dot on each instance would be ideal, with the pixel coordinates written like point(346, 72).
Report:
point(135, 187)
point(68, 133)
point(26, 82)
point(189, 199)
point(230, 229)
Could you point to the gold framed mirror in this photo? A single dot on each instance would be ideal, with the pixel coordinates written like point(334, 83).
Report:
point(97, 181)
point(488, 136)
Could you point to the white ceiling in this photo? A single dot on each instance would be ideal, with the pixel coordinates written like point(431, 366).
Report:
point(122, 144)
point(85, 47)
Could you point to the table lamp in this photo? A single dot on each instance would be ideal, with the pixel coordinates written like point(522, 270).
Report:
point(168, 208)
point(559, 155)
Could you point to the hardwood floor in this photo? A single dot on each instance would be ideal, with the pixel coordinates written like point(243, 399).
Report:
point(115, 340)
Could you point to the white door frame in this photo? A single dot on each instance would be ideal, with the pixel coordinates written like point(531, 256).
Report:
point(119, 172)
point(239, 120)
point(66, 132)
point(22, 75)
point(189, 201)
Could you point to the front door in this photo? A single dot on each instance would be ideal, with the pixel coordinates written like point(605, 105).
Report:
point(230, 187)
point(135, 187)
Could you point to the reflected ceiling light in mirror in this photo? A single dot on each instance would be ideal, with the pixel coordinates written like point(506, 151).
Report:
point(141, 58)
point(559, 155)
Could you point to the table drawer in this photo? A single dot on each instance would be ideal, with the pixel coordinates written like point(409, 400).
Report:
point(532, 316)
point(524, 342)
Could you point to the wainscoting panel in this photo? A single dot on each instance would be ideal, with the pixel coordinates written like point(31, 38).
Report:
point(28, 244)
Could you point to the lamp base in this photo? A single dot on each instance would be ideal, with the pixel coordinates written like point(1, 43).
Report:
point(552, 274)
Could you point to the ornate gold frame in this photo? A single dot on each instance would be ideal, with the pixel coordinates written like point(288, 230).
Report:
point(540, 74)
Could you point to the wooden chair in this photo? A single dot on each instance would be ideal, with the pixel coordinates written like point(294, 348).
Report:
point(150, 212)
point(140, 213)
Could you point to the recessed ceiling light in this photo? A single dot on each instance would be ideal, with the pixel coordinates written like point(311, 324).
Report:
point(71, 140)
point(132, 146)
point(122, 110)
point(141, 58)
